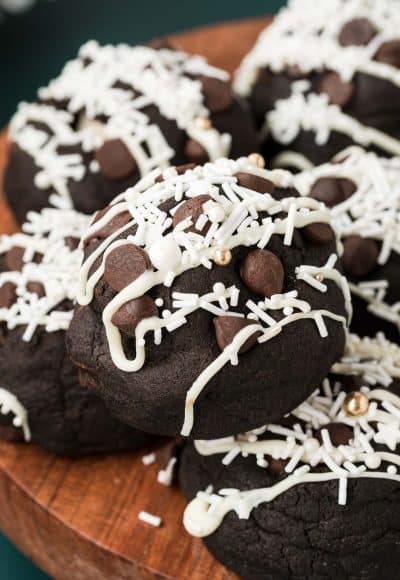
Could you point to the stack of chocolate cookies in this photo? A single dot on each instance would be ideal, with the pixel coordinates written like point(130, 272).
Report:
point(252, 314)
point(212, 305)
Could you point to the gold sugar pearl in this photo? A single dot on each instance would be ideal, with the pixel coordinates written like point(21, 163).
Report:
point(356, 404)
point(319, 277)
point(202, 123)
point(257, 160)
point(222, 257)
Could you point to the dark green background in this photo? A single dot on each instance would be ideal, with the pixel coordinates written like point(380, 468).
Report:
point(33, 48)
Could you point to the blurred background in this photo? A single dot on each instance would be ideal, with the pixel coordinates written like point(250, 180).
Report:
point(37, 37)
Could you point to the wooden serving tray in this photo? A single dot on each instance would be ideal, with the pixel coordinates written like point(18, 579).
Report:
point(78, 519)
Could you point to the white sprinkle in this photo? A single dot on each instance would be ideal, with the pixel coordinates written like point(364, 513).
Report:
point(166, 476)
point(148, 459)
point(231, 455)
point(326, 440)
point(342, 500)
point(297, 455)
point(150, 519)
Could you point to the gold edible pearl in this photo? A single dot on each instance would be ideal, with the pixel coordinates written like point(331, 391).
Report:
point(222, 257)
point(202, 123)
point(355, 404)
point(319, 277)
point(257, 160)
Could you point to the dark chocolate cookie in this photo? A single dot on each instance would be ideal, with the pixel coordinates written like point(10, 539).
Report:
point(315, 496)
point(113, 115)
point(41, 399)
point(209, 300)
point(363, 191)
point(320, 80)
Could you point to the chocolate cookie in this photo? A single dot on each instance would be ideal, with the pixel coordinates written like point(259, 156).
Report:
point(316, 495)
point(114, 114)
point(320, 79)
point(202, 294)
point(363, 191)
point(41, 399)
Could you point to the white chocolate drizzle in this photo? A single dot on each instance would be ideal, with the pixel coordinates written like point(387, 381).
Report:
point(234, 216)
point(89, 86)
point(377, 362)
point(373, 211)
point(44, 233)
point(10, 404)
point(314, 113)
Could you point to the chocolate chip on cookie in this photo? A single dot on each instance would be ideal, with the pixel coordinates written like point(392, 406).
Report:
point(255, 182)
point(131, 313)
point(360, 256)
point(263, 273)
point(227, 327)
point(357, 32)
point(192, 209)
point(124, 265)
point(8, 294)
point(115, 159)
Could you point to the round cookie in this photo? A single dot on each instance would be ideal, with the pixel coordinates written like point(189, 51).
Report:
point(202, 294)
point(315, 496)
point(114, 114)
point(363, 191)
point(324, 76)
point(41, 399)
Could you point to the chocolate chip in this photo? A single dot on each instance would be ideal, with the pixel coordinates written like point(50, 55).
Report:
point(36, 288)
point(71, 242)
point(218, 94)
point(339, 92)
point(357, 32)
point(348, 187)
point(276, 466)
point(193, 209)
point(294, 72)
point(130, 314)
point(125, 264)
point(318, 233)
point(227, 327)
point(360, 256)
point(8, 295)
point(263, 273)
point(339, 433)
point(112, 226)
point(195, 152)
point(115, 159)
point(162, 43)
point(254, 182)
point(332, 190)
point(389, 53)
point(14, 259)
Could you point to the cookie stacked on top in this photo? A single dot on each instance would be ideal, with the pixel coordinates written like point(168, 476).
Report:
point(212, 305)
point(326, 75)
point(114, 114)
point(191, 281)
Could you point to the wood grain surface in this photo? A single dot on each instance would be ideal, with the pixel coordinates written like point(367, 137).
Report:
point(78, 519)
